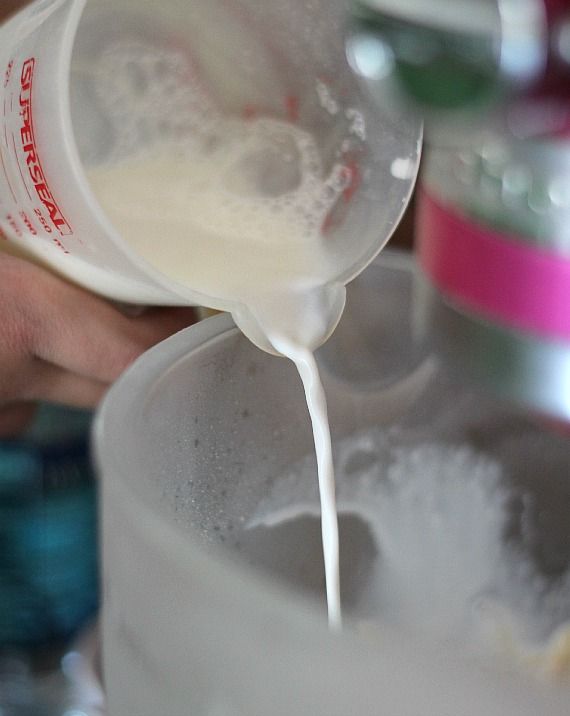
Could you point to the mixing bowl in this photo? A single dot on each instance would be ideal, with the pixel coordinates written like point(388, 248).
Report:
point(453, 526)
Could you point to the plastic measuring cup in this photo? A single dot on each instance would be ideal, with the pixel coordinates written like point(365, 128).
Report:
point(283, 60)
point(206, 611)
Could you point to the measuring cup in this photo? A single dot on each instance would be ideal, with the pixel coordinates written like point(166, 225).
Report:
point(211, 608)
point(60, 115)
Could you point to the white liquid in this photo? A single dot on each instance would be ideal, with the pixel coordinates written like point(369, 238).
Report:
point(316, 402)
point(236, 214)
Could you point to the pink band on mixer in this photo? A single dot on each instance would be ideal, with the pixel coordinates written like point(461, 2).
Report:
point(497, 276)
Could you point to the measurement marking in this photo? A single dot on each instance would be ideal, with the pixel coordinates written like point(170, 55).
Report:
point(8, 178)
point(20, 168)
point(5, 126)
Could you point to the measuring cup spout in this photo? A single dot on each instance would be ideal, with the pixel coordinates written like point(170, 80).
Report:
point(261, 323)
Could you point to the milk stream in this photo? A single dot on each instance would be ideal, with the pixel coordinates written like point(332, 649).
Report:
point(316, 402)
point(236, 213)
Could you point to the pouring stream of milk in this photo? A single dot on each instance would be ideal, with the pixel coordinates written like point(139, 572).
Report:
point(317, 405)
point(236, 214)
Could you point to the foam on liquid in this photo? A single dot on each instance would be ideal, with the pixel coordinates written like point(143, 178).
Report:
point(235, 213)
point(436, 559)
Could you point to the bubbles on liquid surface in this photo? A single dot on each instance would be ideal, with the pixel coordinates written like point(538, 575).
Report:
point(149, 94)
point(221, 192)
point(254, 172)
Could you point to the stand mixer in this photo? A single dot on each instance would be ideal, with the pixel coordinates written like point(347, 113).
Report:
point(490, 78)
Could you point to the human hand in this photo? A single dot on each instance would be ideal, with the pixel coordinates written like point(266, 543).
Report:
point(62, 344)
point(10, 6)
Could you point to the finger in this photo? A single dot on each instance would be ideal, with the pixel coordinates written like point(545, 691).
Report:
point(52, 384)
point(14, 419)
point(160, 323)
point(84, 334)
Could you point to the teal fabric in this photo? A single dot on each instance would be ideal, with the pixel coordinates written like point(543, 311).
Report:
point(48, 530)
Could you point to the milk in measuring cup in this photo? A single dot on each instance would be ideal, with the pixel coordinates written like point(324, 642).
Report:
point(237, 212)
